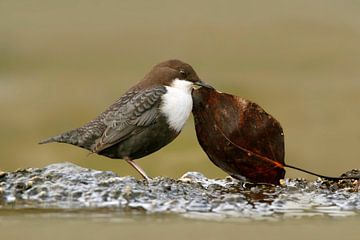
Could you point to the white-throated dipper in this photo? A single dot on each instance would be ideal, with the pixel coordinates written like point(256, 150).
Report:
point(146, 118)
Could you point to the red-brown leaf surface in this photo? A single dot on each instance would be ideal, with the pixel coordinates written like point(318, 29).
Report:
point(239, 136)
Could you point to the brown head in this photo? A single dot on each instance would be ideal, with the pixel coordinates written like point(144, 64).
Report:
point(166, 72)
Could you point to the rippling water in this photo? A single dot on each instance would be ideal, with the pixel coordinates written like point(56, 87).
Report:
point(70, 187)
point(67, 201)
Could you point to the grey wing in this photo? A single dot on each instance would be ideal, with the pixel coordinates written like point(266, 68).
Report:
point(130, 118)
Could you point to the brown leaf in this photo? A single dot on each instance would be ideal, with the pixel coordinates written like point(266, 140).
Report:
point(239, 136)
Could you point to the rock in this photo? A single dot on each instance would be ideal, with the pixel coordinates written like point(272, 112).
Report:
point(67, 186)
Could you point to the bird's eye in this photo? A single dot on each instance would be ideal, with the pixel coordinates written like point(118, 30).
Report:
point(182, 72)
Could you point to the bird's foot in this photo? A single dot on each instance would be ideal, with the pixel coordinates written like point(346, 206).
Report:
point(140, 170)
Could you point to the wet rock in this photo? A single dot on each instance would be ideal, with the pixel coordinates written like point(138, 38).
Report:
point(67, 186)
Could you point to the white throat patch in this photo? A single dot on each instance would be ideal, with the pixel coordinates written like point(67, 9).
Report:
point(177, 103)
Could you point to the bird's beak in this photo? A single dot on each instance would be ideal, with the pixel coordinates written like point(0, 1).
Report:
point(203, 84)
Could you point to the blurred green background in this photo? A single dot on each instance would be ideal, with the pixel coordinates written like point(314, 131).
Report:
point(63, 62)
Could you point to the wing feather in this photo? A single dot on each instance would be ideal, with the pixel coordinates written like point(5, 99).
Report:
point(132, 117)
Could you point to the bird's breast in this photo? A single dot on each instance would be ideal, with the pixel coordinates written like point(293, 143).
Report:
point(176, 106)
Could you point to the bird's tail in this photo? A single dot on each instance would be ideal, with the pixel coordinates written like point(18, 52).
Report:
point(75, 137)
point(51, 139)
point(66, 137)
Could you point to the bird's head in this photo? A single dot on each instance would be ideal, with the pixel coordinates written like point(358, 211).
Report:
point(175, 71)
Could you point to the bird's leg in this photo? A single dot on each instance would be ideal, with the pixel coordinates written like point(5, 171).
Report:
point(138, 168)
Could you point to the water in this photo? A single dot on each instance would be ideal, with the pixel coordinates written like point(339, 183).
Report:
point(70, 187)
point(37, 224)
point(67, 201)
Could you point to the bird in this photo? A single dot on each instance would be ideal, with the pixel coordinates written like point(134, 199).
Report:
point(148, 116)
